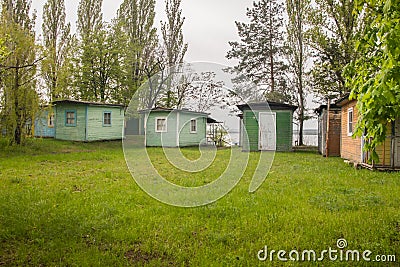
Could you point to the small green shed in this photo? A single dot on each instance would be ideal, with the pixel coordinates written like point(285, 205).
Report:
point(269, 126)
point(88, 121)
point(165, 127)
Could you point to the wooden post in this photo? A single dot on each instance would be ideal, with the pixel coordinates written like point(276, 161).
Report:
point(393, 144)
point(327, 129)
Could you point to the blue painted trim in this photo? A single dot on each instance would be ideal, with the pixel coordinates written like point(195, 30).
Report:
point(107, 125)
point(76, 118)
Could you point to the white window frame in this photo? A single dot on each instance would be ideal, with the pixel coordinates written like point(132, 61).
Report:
point(350, 123)
point(166, 124)
point(104, 119)
point(191, 131)
point(50, 120)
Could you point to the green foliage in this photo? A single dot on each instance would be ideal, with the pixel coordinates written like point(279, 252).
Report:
point(18, 96)
point(374, 76)
point(261, 47)
point(172, 33)
point(140, 55)
point(297, 55)
point(333, 25)
point(172, 42)
point(57, 43)
point(3, 49)
point(98, 72)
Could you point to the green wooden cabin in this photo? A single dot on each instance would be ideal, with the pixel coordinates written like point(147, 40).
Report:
point(269, 126)
point(88, 121)
point(174, 128)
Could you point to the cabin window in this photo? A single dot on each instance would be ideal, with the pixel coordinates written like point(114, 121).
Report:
point(193, 126)
point(161, 125)
point(70, 118)
point(350, 118)
point(107, 118)
point(50, 121)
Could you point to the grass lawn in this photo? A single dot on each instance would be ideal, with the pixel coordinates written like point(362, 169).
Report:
point(75, 204)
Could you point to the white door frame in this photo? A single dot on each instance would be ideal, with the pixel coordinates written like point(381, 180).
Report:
point(259, 130)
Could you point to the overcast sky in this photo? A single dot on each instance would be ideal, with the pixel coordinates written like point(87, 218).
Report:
point(209, 24)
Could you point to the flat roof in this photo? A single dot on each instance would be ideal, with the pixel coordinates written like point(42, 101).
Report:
point(69, 101)
point(322, 107)
point(161, 109)
point(265, 105)
point(344, 100)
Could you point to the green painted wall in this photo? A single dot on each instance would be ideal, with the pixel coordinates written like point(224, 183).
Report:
point(284, 130)
point(169, 138)
point(97, 131)
point(284, 133)
point(73, 133)
point(186, 138)
point(250, 120)
point(89, 123)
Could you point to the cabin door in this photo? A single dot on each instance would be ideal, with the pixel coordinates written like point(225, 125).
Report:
point(397, 144)
point(267, 131)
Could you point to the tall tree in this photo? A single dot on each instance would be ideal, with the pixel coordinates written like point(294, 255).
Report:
point(90, 18)
point(296, 11)
point(331, 37)
point(261, 47)
point(374, 75)
point(172, 37)
point(135, 19)
point(172, 33)
point(18, 83)
point(98, 52)
point(89, 24)
point(57, 46)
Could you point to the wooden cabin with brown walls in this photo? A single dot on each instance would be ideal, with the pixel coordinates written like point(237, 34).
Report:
point(352, 148)
point(329, 130)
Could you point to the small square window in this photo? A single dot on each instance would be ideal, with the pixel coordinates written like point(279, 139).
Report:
point(107, 119)
point(70, 118)
point(350, 118)
point(161, 125)
point(50, 121)
point(193, 126)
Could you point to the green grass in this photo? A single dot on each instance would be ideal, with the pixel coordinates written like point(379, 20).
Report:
point(65, 203)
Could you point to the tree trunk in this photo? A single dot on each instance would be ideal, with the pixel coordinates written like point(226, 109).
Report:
point(18, 126)
point(271, 55)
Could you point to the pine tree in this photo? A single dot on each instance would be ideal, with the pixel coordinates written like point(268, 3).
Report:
point(261, 47)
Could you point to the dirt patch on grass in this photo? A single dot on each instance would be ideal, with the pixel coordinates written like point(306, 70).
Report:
point(137, 255)
point(7, 257)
